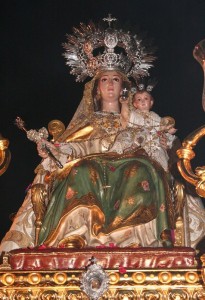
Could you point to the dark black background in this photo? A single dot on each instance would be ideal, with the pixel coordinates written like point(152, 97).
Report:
point(36, 84)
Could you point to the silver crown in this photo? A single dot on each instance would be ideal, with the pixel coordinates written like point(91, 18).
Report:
point(91, 49)
point(143, 85)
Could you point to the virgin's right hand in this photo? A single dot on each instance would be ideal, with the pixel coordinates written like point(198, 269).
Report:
point(41, 149)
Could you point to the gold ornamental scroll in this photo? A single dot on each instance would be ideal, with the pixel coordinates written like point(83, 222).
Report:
point(5, 155)
point(186, 154)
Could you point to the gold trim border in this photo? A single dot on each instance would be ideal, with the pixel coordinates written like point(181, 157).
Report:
point(172, 284)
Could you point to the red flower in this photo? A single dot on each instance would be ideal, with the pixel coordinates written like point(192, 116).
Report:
point(112, 245)
point(112, 168)
point(122, 270)
point(42, 246)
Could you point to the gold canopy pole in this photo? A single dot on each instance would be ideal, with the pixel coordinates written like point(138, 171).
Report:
point(186, 153)
point(5, 155)
point(199, 55)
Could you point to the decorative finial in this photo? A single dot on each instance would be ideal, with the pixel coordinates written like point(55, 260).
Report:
point(109, 19)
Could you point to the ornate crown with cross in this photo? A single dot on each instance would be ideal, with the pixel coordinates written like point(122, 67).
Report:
point(91, 49)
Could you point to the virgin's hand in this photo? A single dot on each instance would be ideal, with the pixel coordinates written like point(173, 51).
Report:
point(41, 149)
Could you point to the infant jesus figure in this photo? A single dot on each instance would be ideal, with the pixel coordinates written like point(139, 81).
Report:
point(145, 129)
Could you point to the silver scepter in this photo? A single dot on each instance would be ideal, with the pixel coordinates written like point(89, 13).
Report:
point(35, 136)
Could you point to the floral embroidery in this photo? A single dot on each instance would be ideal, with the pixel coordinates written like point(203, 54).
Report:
point(112, 168)
point(108, 122)
point(70, 193)
point(130, 201)
point(131, 172)
point(162, 208)
point(145, 185)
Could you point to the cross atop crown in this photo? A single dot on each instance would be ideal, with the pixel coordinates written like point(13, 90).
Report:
point(109, 19)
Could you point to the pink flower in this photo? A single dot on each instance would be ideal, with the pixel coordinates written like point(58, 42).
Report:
point(145, 185)
point(70, 193)
point(162, 208)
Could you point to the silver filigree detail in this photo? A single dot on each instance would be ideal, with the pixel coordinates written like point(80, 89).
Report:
point(94, 281)
point(32, 134)
point(35, 136)
point(92, 48)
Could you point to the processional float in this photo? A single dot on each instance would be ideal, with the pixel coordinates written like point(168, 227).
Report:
point(124, 274)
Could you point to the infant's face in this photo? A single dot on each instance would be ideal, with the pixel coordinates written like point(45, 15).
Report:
point(143, 101)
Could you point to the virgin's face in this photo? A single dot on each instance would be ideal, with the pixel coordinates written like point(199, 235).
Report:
point(110, 86)
point(143, 101)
